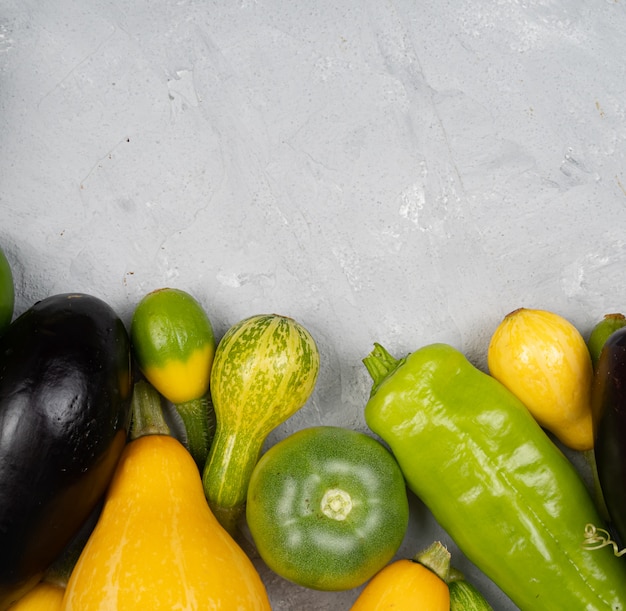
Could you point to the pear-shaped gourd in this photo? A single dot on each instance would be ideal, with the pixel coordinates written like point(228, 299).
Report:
point(543, 359)
point(264, 370)
point(156, 545)
point(173, 343)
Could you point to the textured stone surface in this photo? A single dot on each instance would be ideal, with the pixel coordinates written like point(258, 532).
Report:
point(401, 172)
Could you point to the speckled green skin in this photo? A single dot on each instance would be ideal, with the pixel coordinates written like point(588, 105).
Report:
point(265, 369)
point(296, 532)
point(169, 325)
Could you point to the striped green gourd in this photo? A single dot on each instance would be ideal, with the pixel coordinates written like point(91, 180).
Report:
point(264, 370)
point(465, 596)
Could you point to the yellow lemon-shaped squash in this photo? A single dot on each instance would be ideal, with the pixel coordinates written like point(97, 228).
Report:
point(404, 585)
point(544, 360)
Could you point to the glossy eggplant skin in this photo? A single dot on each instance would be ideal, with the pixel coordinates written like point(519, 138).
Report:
point(65, 389)
point(609, 407)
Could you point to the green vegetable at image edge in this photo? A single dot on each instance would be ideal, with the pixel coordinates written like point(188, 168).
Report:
point(7, 293)
point(493, 479)
point(601, 332)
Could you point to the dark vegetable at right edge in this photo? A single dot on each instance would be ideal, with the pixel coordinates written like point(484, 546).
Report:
point(65, 384)
point(601, 332)
point(609, 406)
point(493, 479)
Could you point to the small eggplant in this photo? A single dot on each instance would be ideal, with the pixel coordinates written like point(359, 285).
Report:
point(609, 408)
point(65, 388)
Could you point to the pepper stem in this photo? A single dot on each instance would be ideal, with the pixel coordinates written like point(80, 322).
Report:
point(379, 364)
point(198, 417)
point(146, 412)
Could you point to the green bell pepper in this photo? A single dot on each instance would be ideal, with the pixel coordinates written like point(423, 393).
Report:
point(493, 479)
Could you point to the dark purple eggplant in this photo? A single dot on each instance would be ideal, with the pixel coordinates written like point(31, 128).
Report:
point(609, 407)
point(65, 389)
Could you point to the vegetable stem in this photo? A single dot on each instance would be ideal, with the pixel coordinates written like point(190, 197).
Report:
point(198, 417)
point(380, 364)
point(464, 596)
point(436, 558)
point(146, 412)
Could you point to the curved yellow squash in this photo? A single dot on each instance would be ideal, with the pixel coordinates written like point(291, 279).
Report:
point(157, 546)
point(543, 360)
point(404, 585)
point(44, 596)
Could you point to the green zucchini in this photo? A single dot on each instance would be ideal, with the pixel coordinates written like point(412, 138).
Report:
point(7, 293)
point(465, 596)
point(265, 369)
point(174, 345)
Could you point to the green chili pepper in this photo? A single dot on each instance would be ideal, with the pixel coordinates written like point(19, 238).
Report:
point(493, 479)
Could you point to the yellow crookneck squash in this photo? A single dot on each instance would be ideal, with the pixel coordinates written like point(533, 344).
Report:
point(157, 545)
point(45, 596)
